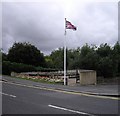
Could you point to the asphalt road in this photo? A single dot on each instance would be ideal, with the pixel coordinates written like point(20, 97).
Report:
point(17, 99)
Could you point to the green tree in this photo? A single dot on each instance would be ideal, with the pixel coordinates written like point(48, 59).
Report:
point(4, 57)
point(0, 55)
point(104, 50)
point(26, 53)
point(49, 62)
point(57, 58)
point(105, 61)
point(88, 58)
point(73, 58)
point(116, 58)
point(105, 67)
point(0, 61)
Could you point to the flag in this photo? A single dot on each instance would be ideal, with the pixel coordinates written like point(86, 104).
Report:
point(69, 25)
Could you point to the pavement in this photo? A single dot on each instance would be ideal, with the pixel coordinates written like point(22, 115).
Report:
point(100, 90)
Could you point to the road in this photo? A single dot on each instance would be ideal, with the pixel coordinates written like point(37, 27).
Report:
point(19, 99)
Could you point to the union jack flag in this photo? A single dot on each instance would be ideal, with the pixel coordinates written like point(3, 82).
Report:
point(69, 25)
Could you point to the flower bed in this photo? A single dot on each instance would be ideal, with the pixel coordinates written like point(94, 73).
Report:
point(40, 78)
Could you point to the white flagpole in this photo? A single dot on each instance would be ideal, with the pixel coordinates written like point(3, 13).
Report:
point(65, 55)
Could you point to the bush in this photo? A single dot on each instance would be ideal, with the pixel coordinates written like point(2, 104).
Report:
point(45, 69)
point(8, 67)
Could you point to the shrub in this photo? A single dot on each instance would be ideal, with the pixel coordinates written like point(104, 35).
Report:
point(8, 67)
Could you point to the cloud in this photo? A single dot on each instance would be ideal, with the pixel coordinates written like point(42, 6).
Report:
point(42, 24)
point(98, 23)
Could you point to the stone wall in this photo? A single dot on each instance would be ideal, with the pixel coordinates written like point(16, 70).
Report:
point(85, 77)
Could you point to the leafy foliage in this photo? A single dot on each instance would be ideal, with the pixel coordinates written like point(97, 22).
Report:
point(8, 67)
point(26, 53)
point(4, 57)
point(73, 58)
point(88, 58)
point(57, 58)
point(104, 59)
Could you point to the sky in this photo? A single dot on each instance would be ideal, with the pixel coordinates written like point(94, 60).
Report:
point(42, 23)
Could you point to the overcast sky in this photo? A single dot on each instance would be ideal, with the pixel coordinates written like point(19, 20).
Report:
point(42, 23)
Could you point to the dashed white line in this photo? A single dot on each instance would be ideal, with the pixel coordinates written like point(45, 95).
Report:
point(8, 94)
point(77, 112)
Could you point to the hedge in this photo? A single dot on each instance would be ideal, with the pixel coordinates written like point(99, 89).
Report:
point(8, 67)
point(45, 69)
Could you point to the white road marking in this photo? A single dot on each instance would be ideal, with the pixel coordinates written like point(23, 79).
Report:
point(77, 112)
point(8, 94)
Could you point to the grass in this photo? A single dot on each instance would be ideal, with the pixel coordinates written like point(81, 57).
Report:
point(39, 80)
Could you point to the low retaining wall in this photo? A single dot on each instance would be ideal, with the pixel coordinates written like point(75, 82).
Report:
point(71, 81)
point(88, 77)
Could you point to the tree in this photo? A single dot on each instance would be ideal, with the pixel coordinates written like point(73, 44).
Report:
point(4, 57)
point(26, 53)
point(57, 58)
point(49, 62)
point(116, 58)
point(105, 61)
point(0, 61)
point(0, 55)
point(104, 50)
point(105, 67)
point(73, 58)
point(88, 58)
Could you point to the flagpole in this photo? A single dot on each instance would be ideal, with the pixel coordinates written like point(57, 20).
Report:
point(68, 25)
point(65, 55)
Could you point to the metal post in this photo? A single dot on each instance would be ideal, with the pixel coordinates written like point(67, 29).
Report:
point(65, 55)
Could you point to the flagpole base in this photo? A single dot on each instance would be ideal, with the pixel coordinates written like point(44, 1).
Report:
point(66, 81)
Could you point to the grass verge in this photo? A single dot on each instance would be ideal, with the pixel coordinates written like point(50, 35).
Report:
point(41, 80)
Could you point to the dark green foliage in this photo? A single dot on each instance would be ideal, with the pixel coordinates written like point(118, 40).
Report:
point(116, 58)
point(4, 57)
point(27, 54)
point(105, 67)
point(57, 58)
point(45, 69)
point(104, 50)
point(0, 62)
point(8, 67)
point(88, 58)
point(73, 58)
point(0, 56)
point(49, 62)
point(104, 59)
